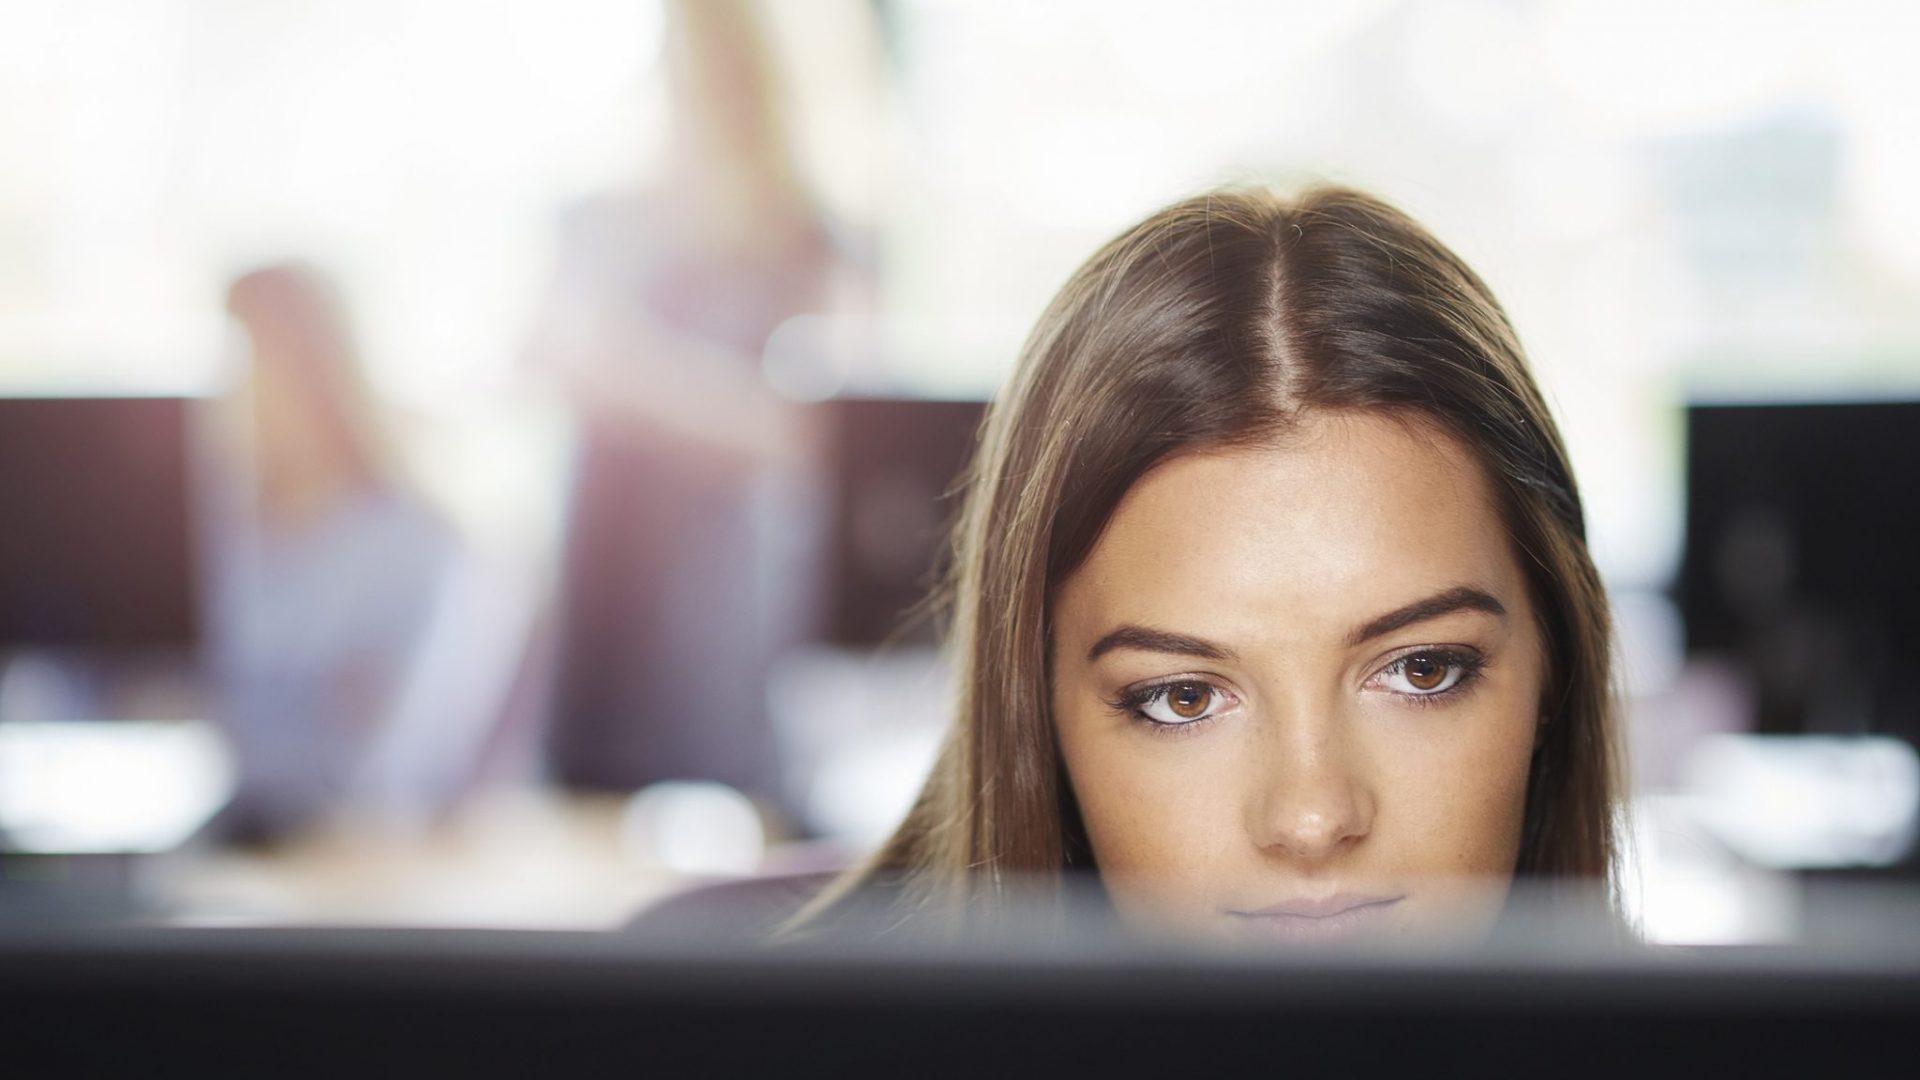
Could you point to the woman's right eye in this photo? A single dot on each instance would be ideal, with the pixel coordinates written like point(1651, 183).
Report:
point(1183, 701)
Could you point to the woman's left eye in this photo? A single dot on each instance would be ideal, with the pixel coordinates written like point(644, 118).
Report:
point(1428, 673)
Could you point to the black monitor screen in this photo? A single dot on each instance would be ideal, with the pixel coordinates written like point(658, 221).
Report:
point(96, 549)
point(1803, 559)
point(897, 464)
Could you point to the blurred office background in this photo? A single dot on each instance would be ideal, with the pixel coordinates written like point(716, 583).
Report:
point(510, 435)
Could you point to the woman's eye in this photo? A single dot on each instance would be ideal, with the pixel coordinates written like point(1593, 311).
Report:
point(1180, 702)
point(1425, 674)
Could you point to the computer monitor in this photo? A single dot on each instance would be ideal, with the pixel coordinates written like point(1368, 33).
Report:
point(444, 1003)
point(1802, 559)
point(896, 466)
point(97, 549)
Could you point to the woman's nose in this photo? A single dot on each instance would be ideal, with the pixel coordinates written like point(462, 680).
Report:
point(1312, 801)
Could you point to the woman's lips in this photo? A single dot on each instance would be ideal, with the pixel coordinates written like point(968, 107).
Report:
point(1332, 918)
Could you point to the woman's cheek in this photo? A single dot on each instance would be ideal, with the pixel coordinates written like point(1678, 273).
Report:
point(1160, 819)
point(1464, 794)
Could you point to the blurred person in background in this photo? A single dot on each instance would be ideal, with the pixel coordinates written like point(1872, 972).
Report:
point(1271, 604)
point(692, 555)
point(327, 566)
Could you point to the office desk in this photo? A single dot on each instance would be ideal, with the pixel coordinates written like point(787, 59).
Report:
point(525, 858)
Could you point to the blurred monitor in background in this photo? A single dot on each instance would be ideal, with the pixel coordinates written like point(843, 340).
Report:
point(860, 712)
point(1803, 560)
point(897, 467)
point(1802, 571)
point(100, 620)
point(98, 550)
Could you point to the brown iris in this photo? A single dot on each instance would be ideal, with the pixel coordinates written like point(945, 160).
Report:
point(1425, 672)
point(1189, 700)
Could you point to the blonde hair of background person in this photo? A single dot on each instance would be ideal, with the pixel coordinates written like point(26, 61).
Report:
point(315, 427)
point(1236, 338)
point(727, 198)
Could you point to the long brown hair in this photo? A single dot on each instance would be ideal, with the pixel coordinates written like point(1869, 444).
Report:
point(1214, 323)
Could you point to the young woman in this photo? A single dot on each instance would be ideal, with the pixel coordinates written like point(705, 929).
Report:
point(690, 530)
point(329, 567)
point(1269, 598)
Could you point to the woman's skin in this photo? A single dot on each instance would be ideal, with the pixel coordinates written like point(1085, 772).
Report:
point(1320, 795)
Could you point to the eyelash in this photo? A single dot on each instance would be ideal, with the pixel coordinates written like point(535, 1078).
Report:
point(1134, 702)
point(1469, 661)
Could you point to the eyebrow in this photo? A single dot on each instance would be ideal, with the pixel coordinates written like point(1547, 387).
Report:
point(1457, 599)
point(1147, 639)
point(1452, 601)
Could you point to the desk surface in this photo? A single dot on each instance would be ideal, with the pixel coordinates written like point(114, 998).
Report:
point(526, 858)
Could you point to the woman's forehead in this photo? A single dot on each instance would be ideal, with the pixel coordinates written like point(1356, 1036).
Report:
point(1351, 515)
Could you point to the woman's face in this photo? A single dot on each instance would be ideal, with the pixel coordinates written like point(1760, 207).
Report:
point(1297, 689)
